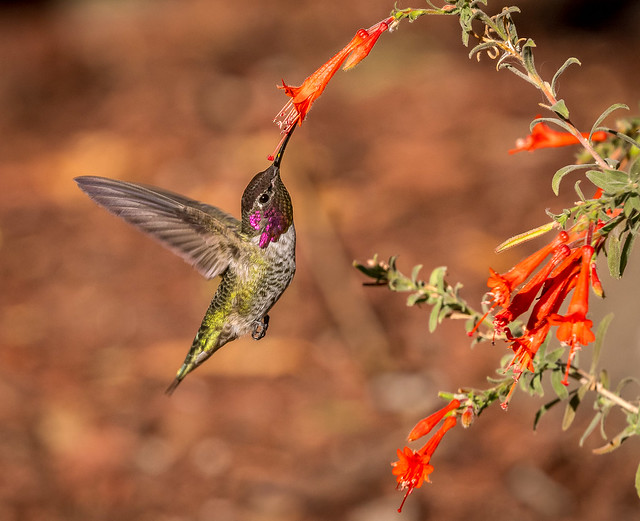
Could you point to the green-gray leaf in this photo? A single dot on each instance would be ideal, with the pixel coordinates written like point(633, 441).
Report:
point(556, 76)
point(609, 180)
point(559, 388)
point(602, 116)
point(557, 177)
point(614, 256)
point(560, 108)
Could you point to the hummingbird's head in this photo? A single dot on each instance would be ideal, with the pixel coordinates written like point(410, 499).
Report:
point(267, 212)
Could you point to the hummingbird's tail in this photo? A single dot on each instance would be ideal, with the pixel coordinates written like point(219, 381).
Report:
point(210, 337)
point(189, 365)
point(174, 385)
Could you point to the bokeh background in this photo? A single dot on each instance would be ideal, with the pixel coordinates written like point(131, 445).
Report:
point(405, 155)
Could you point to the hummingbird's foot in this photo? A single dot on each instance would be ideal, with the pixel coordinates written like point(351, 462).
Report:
point(260, 328)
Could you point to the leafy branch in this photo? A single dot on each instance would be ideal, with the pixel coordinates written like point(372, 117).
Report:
point(524, 303)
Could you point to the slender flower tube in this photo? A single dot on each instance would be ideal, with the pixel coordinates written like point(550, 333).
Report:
point(501, 286)
point(363, 48)
point(574, 329)
point(302, 97)
point(425, 426)
point(526, 295)
point(543, 136)
point(525, 348)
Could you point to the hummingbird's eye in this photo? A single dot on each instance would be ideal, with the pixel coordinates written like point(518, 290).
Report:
point(263, 198)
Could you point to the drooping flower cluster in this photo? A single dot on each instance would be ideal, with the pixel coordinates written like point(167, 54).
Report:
point(413, 466)
point(569, 266)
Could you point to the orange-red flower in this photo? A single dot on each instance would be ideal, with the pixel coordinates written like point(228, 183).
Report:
point(574, 328)
point(525, 348)
point(425, 426)
point(543, 136)
point(304, 96)
point(555, 289)
point(526, 295)
point(369, 38)
point(501, 286)
point(596, 285)
point(413, 468)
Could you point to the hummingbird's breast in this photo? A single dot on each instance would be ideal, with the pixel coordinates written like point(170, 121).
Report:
point(257, 280)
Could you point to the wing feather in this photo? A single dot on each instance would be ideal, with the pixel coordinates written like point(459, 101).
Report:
point(203, 235)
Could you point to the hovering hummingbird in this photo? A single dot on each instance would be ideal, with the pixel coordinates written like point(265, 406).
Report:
point(254, 256)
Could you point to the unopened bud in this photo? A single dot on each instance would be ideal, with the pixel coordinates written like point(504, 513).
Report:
point(468, 416)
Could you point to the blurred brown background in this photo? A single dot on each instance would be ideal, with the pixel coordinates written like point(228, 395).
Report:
point(406, 155)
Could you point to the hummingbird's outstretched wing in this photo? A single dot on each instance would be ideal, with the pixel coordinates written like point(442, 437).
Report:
point(202, 235)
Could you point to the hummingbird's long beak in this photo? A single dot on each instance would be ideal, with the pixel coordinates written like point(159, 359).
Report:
point(283, 145)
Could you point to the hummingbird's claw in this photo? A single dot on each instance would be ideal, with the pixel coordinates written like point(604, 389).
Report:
point(260, 328)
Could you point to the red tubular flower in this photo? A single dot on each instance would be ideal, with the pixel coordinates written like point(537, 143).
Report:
point(303, 97)
point(425, 426)
point(555, 289)
point(574, 327)
point(412, 468)
point(501, 286)
point(543, 136)
point(526, 295)
point(596, 285)
point(525, 348)
point(369, 39)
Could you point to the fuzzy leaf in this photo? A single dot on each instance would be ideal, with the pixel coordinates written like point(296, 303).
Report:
point(414, 273)
point(517, 72)
point(554, 121)
point(556, 76)
point(554, 356)
point(481, 47)
point(400, 284)
point(608, 111)
point(609, 180)
point(557, 177)
point(415, 298)
point(437, 277)
point(536, 385)
point(572, 406)
point(616, 441)
point(433, 317)
point(527, 55)
point(634, 170)
point(600, 334)
point(559, 388)
point(632, 204)
point(543, 410)
point(560, 108)
point(626, 251)
point(622, 136)
point(614, 256)
point(590, 428)
point(375, 271)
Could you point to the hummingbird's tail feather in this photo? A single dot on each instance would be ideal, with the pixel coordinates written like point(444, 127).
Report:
point(169, 390)
point(211, 336)
point(194, 359)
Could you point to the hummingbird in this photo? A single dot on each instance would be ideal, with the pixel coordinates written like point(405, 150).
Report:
point(254, 256)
